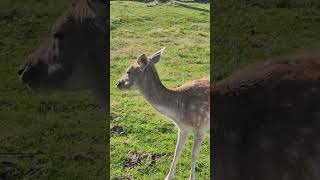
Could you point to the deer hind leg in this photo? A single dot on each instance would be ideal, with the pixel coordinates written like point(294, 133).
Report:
point(195, 152)
point(179, 147)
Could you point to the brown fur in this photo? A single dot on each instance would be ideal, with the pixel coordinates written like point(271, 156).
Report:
point(266, 121)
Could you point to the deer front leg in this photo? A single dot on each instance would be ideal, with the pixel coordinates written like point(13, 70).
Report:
point(195, 152)
point(182, 137)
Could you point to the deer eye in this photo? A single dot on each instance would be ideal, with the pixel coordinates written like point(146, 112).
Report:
point(128, 72)
point(59, 35)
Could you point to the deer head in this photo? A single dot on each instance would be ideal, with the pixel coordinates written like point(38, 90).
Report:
point(136, 71)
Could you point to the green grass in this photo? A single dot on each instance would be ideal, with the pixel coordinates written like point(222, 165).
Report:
point(63, 131)
point(145, 28)
point(249, 31)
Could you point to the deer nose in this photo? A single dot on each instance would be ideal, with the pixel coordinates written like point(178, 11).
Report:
point(32, 72)
point(21, 69)
point(25, 73)
point(119, 84)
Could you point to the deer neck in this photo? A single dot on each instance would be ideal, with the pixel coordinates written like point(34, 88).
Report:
point(160, 97)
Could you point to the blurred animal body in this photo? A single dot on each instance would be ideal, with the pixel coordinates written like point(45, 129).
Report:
point(266, 121)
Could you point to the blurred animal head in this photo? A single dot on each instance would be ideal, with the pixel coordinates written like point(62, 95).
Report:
point(73, 54)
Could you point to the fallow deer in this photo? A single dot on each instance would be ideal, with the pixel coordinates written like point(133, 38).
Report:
point(266, 121)
point(188, 105)
point(74, 55)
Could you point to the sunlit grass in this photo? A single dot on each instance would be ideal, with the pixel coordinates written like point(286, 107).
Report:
point(143, 28)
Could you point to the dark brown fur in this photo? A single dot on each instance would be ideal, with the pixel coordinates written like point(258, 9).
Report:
point(266, 121)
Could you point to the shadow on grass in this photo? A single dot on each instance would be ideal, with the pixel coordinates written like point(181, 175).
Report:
point(166, 1)
point(195, 1)
point(178, 3)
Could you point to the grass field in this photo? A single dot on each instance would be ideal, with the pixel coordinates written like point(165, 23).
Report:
point(145, 28)
point(248, 31)
point(57, 135)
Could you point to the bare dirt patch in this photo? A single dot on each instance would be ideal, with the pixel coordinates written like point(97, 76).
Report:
point(134, 159)
point(117, 129)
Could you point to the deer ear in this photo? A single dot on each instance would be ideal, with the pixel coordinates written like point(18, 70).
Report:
point(142, 61)
point(99, 7)
point(156, 56)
